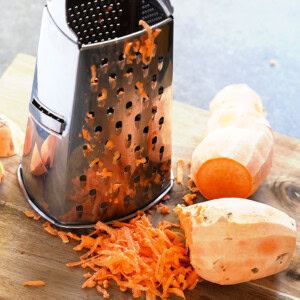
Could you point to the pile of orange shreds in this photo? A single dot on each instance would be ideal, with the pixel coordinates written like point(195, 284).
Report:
point(138, 257)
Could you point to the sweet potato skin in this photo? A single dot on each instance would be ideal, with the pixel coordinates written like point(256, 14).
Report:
point(238, 240)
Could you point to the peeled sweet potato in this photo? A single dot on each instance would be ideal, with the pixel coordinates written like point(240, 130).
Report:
point(48, 150)
point(37, 166)
point(236, 155)
point(234, 240)
point(11, 137)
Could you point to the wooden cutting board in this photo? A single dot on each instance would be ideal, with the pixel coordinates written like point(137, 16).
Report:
point(27, 252)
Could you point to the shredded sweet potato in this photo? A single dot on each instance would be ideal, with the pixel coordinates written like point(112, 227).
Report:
point(86, 134)
point(188, 198)
point(94, 80)
point(63, 236)
point(192, 187)
point(163, 208)
point(34, 283)
point(138, 257)
point(139, 85)
point(47, 226)
point(180, 164)
point(30, 214)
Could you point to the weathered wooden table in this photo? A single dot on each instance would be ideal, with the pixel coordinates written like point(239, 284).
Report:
point(27, 252)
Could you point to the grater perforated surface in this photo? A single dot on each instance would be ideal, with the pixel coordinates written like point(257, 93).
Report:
point(101, 20)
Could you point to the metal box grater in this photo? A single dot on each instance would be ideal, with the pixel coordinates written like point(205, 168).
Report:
point(98, 139)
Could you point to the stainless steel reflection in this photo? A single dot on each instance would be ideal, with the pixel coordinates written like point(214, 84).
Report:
point(87, 156)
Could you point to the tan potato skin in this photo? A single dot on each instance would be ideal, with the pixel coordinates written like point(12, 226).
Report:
point(238, 240)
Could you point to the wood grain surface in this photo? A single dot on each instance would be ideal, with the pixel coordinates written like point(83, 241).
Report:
point(27, 252)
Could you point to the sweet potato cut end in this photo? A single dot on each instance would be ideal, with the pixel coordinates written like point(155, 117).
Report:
point(223, 177)
point(37, 167)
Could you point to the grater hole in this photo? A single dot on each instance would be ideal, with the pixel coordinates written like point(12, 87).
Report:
point(127, 169)
point(128, 105)
point(90, 115)
point(103, 205)
point(82, 178)
point(161, 90)
point(98, 129)
point(104, 61)
point(113, 76)
point(147, 160)
point(154, 77)
point(137, 148)
point(138, 118)
point(161, 120)
point(154, 110)
point(146, 129)
point(154, 140)
point(154, 170)
point(130, 71)
point(146, 189)
point(137, 179)
point(119, 125)
point(121, 57)
point(126, 199)
point(110, 111)
point(162, 149)
point(160, 63)
point(129, 137)
point(120, 91)
point(92, 192)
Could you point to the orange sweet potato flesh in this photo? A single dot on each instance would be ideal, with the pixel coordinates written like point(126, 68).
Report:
point(7, 147)
point(2, 173)
point(37, 166)
point(48, 151)
point(28, 137)
point(223, 177)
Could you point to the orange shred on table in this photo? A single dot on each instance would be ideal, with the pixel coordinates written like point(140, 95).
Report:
point(165, 198)
point(163, 208)
point(138, 257)
point(34, 283)
point(179, 177)
point(47, 226)
point(191, 186)
point(32, 215)
point(73, 236)
point(63, 236)
point(188, 198)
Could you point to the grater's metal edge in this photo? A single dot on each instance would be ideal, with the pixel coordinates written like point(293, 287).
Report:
point(75, 226)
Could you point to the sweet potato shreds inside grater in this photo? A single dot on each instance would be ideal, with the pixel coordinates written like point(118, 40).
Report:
point(101, 20)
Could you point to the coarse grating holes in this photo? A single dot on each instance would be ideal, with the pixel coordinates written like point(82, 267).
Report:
point(154, 110)
point(98, 129)
point(90, 115)
point(161, 152)
point(120, 94)
point(145, 71)
point(129, 107)
point(104, 65)
point(160, 62)
point(128, 140)
point(154, 81)
point(161, 90)
point(127, 171)
point(154, 170)
point(122, 61)
point(161, 121)
point(154, 140)
point(137, 179)
point(137, 120)
point(146, 189)
point(79, 211)
point(112, 80)
point(82, 180)
point(103, 207)
point(92, 194)
point(126, 200)
point(137, 148)
point(129, 75)
point(119, 125)
point(110, 113)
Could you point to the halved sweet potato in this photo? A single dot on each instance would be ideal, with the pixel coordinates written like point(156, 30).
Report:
point(11, 137)
point(37, 166)
point(48, 150)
